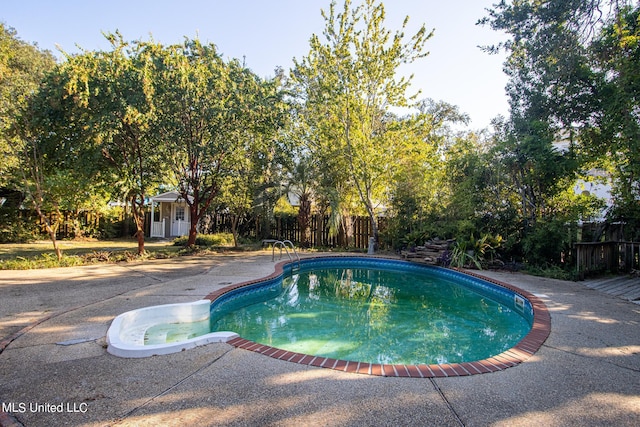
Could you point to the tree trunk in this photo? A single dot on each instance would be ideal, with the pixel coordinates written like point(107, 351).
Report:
point(194, 217)
point(138, 217)
point(75, 221)
point(140, 236)
point(234, 229)
point(347, 225)
point(374, 224)
point(139, 232)
point(193, 234)
point(304, 218)
point(374, 230)
point(51, 230)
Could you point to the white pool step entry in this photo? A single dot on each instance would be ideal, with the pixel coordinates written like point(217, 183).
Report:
point(125, 336)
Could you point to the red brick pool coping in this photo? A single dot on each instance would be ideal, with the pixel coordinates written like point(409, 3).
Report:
point(526, 348)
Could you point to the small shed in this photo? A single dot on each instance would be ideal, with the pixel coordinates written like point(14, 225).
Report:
point(169, 215)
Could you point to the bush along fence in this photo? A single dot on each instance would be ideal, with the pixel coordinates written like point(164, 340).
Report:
point(23, 224)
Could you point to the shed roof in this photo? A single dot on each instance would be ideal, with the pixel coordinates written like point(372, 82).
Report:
point(169, 196)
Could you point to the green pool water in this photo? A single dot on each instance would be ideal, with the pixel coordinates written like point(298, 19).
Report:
point(374, 315)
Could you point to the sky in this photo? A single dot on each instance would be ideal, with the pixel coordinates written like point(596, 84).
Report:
point(270, 33)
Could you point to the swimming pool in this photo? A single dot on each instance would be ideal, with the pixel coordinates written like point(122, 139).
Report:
point(424, 340)
point(171, 328)
point(377, 312)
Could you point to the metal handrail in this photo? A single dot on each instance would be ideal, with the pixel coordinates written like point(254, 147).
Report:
point(293, 248)
point(283, 244)
point(273, 250)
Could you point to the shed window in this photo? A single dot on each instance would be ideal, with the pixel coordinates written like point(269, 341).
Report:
point(179, 213)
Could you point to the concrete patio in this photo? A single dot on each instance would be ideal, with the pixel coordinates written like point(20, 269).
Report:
point(53, 357)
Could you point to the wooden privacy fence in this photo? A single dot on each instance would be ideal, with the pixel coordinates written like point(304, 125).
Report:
point(611, 257)
point(280, 227)
point(70, 223)
point(288, 228)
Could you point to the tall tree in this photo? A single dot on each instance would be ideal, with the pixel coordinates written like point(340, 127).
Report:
point(210, 113)
point(302, 185)
point(537, 168)
point(22, 68)
point(550, 74)
point(573, 68)
point(38, 175)
point(346, 85)
point(419, 190)
point(252, 181)
point(614, 132)
point(114, 109)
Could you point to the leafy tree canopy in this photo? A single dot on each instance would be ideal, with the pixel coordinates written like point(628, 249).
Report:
point(22, 67)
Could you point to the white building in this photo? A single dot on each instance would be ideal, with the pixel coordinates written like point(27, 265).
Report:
point(173, 215)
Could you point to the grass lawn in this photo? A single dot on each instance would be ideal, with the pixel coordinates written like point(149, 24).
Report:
point(40, 254)
point(11, 251)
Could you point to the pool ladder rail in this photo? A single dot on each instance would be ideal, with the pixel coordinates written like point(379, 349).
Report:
point(283, 244)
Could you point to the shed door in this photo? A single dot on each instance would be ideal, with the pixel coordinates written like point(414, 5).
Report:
point(179, 219)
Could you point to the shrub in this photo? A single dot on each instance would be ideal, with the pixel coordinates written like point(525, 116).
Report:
point(207, 240)
point(16, 228)
point(478, 252)
point(97, 256)
point(545, 243)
